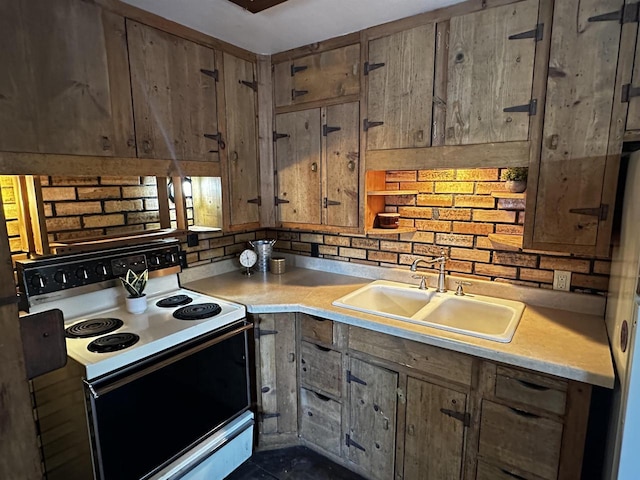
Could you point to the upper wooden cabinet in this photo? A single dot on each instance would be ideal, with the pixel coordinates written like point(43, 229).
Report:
point(242, 150)
point(490, 74)
point(570, 202)
point(321, 76)
point(173, 81)
point(631, 93)
point(399, 74)
point(64, 86)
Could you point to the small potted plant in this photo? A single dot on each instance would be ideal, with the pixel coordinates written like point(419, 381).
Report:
point(134, 284)
point(516, 179)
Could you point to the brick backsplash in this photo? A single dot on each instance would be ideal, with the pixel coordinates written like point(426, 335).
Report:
point(455, 211)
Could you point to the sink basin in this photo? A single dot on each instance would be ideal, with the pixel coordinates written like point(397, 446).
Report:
point(475, 315)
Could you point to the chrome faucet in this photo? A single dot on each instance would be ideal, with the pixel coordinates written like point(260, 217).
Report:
point(441, 261)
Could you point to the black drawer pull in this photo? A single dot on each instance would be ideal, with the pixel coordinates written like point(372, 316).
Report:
point(532, 386)
point(324, 398)
point(322, 349)
point(522, 413)
point(507, 472)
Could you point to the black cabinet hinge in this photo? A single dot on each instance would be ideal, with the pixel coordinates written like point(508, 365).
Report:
point(628, 92)
point(257, 200)
point(602, 212)
point(465, 418)
point(298, 93)
point(366, 124)
point(531, 108)
point(264, 415)
point(537, 34)
point(210, 73)
point(353, 378)
point(351, 443)
point(368, 67)
point(328, 202)
point(278, 136)
point(278, 201)
point(252, 85)
point(218, 138)
point(629, 13)
point(296, 69)
point(326, 129)
point(261, 332)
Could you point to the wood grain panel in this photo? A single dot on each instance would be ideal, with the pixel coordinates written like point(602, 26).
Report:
point(316, 329)
point(433, 440)
point(320, 420)
point(334, 73)
point(174, 103)
point(531, 389)
point(65, 86)
point(633, 114)
point(372, 419)
point(520, 439)
point(321, 369)
point(242, 138)
point(578, 110)
point(298, 166)
point(342, 160)
point(400, 94)
point(488, 72)
point(282, 84)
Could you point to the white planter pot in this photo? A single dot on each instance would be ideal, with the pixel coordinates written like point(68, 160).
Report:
point(136, 304)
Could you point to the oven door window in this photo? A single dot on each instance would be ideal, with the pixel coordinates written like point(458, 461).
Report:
point(149, 417)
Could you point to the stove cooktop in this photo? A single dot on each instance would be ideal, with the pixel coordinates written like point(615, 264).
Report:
point(156, 328)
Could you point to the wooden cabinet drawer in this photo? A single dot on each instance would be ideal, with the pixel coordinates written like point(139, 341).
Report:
point(316, 329)
point(492, 472)
point(425, 358)
point(531, 389)
point(521, 439)
point(321, 368)
point(320, 420)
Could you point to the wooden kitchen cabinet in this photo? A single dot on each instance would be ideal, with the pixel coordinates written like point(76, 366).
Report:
point(276, 379)
point(243, 170)
point(65, 82)
point(572, 185)
point(318, 164)
point(631, 90)
point(173, 83)
point(490, 69)
point(321, 76)
point(399, 70)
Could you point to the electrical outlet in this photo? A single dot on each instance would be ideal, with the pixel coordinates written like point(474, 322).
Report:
point(561, 280)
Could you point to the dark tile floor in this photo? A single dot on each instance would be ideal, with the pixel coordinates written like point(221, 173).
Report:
point(294, 463)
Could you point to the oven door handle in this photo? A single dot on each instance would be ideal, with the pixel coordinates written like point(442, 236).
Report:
point(96, 391)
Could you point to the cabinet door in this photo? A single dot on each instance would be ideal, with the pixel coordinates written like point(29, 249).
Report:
point(276, 374)
point(633, 114)
point(298, 166)
point(488, 72)
point(434, 439)
point(64, 86)
point(342, 160)
point(575, 198)
point(372, 418)
point(242, 152)
point(174, 102)
point(331, 74)
point(400, 92)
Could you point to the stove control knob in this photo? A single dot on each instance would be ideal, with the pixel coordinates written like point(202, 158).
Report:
point(61, 277)
point(82, 273)
point(171, 257)
point(155, 260)
point(38, 281)
point(101, 270)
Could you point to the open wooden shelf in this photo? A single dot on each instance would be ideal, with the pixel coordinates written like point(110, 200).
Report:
point(392, 192)
point(506, 242)
point(390, 231)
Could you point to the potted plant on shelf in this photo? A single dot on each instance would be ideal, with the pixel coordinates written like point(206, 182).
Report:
point(516, 179)
point(134, 284)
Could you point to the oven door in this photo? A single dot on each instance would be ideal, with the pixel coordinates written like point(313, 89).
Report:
point(145, 417)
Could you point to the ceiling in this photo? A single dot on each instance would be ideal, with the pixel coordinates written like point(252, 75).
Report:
point(288, 25)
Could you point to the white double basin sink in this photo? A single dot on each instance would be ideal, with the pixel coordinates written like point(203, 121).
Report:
point(475, 315)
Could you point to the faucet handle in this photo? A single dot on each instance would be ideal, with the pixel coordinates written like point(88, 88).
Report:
point(459, 290)
point(423, 283)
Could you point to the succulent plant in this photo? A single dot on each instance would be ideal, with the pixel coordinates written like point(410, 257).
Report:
point(134, 283)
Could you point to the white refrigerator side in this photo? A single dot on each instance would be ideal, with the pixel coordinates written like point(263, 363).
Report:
point(621, 309)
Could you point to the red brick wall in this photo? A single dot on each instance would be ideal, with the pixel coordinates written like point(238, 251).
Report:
point(455, 211)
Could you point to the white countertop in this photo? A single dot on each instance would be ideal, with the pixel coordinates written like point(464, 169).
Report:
point(565, 343)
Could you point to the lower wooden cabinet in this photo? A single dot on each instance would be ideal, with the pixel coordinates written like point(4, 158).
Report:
point(390, 408)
